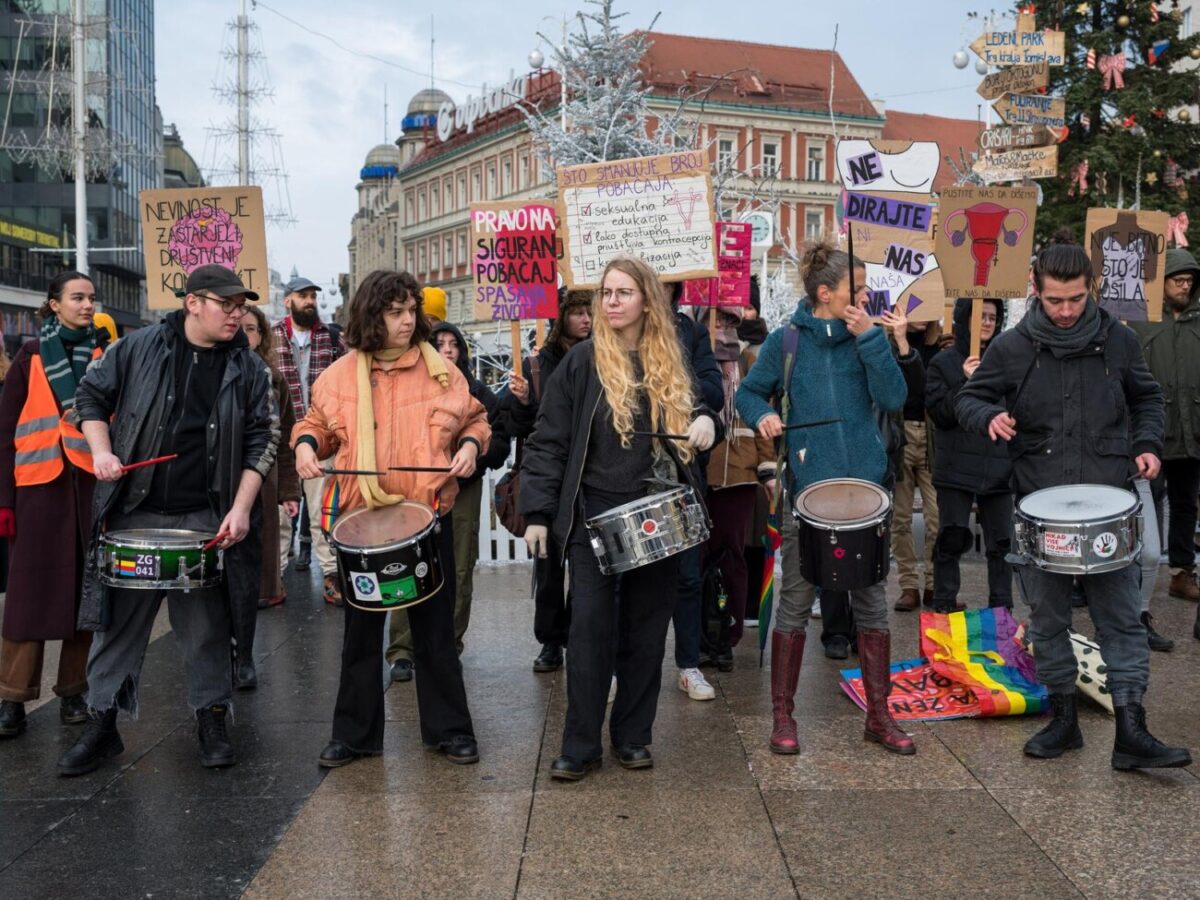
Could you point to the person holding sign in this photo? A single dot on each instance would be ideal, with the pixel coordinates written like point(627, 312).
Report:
point(841, 368)
point(1069, 391)
point(590, 452)
point(395, 401)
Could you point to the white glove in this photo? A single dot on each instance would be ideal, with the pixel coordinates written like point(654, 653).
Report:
point(701, 433)
point(537, 538)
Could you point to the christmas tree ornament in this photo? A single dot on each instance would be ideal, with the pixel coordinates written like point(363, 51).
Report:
point(981, 67)
point(1111, 66)
point(1171, 176)
point(1122, 21)
point(1086, 121)
point(1152, 178)
point(1157, 51)
point(1177, 227)
point(1158, 113)
point(961, 59)
point(1157, 154)
point(1153, 12)
point(1079, 179)
point(1091, 58)
point(1185, 116)
point(1129, 121)
point(1102, 183)
point(1083, 9)
point(1194, 53)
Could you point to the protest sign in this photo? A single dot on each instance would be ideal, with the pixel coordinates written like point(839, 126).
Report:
point(1032, 109)
point(514, 260)
point(985, 240)
point(731, 287)
point(917, 691)
point(1015, 79)
point(1128, 249)
point(657, 207)
point(1015, 165)
point(185, 228)
point(1014, 137)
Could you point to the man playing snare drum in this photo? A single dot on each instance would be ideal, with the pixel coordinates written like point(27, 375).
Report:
point(1069, 391)
point(189, 386)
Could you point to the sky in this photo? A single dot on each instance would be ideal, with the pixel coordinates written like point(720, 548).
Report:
point(327, 103)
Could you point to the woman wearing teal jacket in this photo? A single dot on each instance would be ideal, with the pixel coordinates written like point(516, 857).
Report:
point(844, 370)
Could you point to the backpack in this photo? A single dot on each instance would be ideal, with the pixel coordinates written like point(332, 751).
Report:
point(715, 616)
point(507, 491)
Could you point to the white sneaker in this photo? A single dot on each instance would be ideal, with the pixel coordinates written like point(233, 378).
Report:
point(692, 681)
point(816, 610)
point(612, 690)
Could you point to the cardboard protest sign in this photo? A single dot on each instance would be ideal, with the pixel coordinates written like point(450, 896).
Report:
point(1015, 165)
point(731, 287)
point(514, 260)
point(1021, 48)
point(1016, 80)
point(1128, 249)
point(918, 691)
point(1014, 137)
point(1032, 109)
point(657, 207)
point(985, 240)
point(185, 228)
point(888, 209)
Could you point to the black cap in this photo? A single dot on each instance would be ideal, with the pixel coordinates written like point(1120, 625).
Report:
point(300, 284)
point(217, 280)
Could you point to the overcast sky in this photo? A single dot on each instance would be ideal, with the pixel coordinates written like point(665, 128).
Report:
point(327, 103)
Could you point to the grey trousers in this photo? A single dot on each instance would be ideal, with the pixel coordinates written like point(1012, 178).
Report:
point(796, 595)
point(199, 618)
point(1115, 606)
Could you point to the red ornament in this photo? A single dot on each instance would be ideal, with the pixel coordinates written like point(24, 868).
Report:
point(839, 552)
point(1129, 121)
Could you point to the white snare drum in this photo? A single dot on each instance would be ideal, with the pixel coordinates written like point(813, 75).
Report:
point(1079, 529)
point(648, 530)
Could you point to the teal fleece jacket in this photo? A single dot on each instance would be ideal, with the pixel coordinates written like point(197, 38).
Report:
point(837, 375)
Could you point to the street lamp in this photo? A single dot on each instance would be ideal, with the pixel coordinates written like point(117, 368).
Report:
point(537, 60)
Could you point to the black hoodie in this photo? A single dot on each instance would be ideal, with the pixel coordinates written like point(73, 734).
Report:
point(496, 452)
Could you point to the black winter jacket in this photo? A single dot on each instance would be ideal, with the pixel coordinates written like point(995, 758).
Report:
point(496, 452)
point(962, 460)
point(1081, 417)
point(519, 418)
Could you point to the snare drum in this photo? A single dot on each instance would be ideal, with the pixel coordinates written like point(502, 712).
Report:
point(1079, 529)
point(155, 559)
point(648, 530)
point(388, 557)
point(845, 527)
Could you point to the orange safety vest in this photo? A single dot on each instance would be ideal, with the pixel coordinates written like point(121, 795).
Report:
point(42, 434)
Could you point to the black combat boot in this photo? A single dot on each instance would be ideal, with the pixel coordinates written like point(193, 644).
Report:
point(99, 741)
point(216, 750)
point(12, 718)
point(1137, 748)
point(1062, 734)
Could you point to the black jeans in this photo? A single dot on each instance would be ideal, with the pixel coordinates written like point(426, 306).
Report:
point(1179, 481)
point(623, 631)
point(551, 608)
point(954, 537)
point(358, 715)
point(837, 617)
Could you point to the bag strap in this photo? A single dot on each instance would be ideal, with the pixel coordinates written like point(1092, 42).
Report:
point(791, 344)
point(535, 371)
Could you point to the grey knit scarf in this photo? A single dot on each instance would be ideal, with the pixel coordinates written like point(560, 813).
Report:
point(1062, 341)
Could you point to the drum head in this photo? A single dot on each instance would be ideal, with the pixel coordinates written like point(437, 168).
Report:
point(158, 537)
point(843, 501)
point(1077, 503)
point(390, 525)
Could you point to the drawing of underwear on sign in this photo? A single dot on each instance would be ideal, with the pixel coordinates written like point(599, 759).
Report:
point(1127, 248)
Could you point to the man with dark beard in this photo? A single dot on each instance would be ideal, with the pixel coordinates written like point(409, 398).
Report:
point(305, 348)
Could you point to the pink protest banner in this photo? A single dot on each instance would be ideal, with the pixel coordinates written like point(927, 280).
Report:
point(514, 261)
point(731, 287)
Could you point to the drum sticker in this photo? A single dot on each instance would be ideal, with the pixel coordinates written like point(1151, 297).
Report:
point(140, 565)
point(1060, 543)
point(1105, 545)
point(366, 586)
point(650, 528)
point(399, 591)
point(422, 569)
point(396, 568)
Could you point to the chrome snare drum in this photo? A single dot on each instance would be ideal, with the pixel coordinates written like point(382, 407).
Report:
point(155, 559)
point(388, 557)
point(1079, 529)
point(845, 527)
point(648, 529)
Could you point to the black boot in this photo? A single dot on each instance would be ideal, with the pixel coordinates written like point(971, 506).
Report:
point(99, 741)
point(216, 751)
point(73, 710)
point(245, 675)
point(1196, 627)
point(1156, 641)
point(304, 556)
point(12, 718)
point(1137, 748)
point(550, 659)
point(1061, 734)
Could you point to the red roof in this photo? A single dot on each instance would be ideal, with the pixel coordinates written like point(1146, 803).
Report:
point(952, 135)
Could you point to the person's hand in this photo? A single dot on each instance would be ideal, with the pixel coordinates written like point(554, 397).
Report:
point(772, 486)
point(291, 508)
point(537, 539)
point(106, 466)
point(701, 433)
point(770, 427)
point(896, 320)
point(518, 386)
point(8, 522)
point(857, 321)
point(1148, 466)
point(235, 527)
point(463, 464)
point(1002, 428)
point(307, 464)
point(970, 364)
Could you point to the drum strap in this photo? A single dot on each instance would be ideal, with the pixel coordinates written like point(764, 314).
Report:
point(791, 343)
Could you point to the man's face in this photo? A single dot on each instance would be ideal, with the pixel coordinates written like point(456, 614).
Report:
point(214, 318)
point(447, 345)
point(1177, 289)
point(579, 323)
point(1064, 301)
point(303, 307)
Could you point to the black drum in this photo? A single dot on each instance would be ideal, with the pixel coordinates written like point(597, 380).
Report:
point(388, 557)
point(845, 533)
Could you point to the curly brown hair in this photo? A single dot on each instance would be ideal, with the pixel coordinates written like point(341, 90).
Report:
point(365, 328)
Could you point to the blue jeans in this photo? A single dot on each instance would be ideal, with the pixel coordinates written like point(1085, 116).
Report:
point(686, 616)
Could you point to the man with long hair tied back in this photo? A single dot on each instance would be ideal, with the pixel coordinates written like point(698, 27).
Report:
point(586, 456)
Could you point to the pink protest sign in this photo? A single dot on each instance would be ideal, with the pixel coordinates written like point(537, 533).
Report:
point(731, 287)
point(514, 262)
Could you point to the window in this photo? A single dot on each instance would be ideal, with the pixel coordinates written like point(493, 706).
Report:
point(421, 206)
point(491, 181)
point(435, 260)
point(408, 260)
point(462, 248)
point(506, 177)
point(1185, 23)
point(449, 251)
point(814, 224)
point(448, 192)
point(523, 173)
point(725, 153)
point(434, 196)
point(462, 191)
point(475, 192)
point(770, 158)
point(421, 259)
point(409, 218)
point(816, 163)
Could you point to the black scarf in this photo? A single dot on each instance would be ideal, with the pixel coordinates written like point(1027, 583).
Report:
point(1063, 341)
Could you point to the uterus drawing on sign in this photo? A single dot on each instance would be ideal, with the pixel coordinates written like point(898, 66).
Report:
point(985, 224)
point(685, 204)
point(204, 237)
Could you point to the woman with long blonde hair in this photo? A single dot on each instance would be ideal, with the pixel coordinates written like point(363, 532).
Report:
point(590, 452)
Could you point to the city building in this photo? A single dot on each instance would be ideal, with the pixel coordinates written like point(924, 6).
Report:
point(179, 169)
point(37, 191)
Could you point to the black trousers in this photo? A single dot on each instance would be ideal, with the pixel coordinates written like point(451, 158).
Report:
point(441, 696)
point(551, 610)
point(611, 630)
point(1179, 482)
point(954, 537)
point(837, 617)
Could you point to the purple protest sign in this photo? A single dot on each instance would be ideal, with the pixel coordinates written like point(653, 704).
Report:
point(874, 210)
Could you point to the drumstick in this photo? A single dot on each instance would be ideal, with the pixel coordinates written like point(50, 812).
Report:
point(150, 462)
point(221, 535)
point(353, 472)
point(659, 434)
point(811, 424)
point(442, 469)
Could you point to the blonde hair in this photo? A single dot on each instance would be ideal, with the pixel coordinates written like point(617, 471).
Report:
point(665, 373)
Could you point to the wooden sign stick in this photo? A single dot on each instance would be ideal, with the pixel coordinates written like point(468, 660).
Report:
point(948, 319)
point(515, 324)
point(976, 324)
point(539, 331)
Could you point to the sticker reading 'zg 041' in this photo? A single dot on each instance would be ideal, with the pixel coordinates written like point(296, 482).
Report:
point(139, 565)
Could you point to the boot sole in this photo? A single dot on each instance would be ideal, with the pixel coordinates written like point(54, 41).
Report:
point(870, 737)
point(15, 730)
point(94, 763)
point(546, 668)
point(784, 751)
point(70, 720)
point(565, 775)
point(336, 763)
point(218, 762)
point(1055, 754)
point(1124, 762)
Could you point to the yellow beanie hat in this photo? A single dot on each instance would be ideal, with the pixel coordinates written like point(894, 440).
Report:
point(105, 321)
point(434, 300)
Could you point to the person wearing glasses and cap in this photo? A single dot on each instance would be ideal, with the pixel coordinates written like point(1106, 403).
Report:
point(189, 386)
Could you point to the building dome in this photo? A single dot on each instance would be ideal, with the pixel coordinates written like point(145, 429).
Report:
point(383, 155)
point(429, 100)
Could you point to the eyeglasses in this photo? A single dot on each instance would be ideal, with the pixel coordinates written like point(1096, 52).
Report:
point(624, 295)
point(1182, 280)
point(229, 307)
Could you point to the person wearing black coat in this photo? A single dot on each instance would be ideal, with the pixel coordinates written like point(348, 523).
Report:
point(967, 468)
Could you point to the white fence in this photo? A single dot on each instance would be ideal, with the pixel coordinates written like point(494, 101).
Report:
point(496, 545)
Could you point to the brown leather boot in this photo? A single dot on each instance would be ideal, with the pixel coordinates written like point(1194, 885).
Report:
point(1183, 585)
point(787, 649)
point(910, 599)
point(875, 655)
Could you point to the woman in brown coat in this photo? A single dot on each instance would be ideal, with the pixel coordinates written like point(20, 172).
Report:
point(46, 489)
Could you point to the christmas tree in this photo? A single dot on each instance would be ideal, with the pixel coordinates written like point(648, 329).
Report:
point(1132, 139)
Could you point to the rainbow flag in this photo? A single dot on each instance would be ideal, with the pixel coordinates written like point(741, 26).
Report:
point(772, 541)
point(330, 503)
point(126, 567)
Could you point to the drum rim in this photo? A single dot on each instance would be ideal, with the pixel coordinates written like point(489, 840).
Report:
point(1134, 508)
point(195, 540)
point(864, 522)
point(619, 512)
point(383, 548)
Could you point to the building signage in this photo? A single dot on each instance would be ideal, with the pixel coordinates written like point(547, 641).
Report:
point(26, 234)
point(451, 119)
